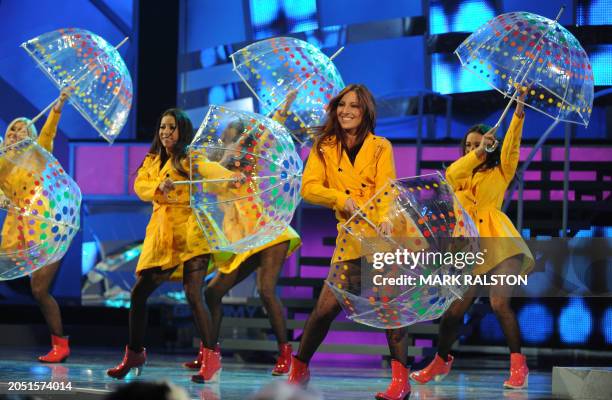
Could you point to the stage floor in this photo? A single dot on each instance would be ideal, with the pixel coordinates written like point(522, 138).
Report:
point(86, 368)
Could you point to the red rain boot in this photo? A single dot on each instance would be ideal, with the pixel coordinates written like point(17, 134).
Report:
point(197, 363)
point(518, 372)
point(59, 352)
point(131, 359)
point(211, 366)
point(283, 363)
point(436, 370)
point(299, 373)
point(399, 388)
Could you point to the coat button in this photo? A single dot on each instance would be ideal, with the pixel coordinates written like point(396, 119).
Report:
point(339, 169)
point(347, 191)
point(363, 185)
point(480, 220)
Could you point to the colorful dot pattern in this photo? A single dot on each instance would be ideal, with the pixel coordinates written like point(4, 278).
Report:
point(241, 217)
point(274, 67)
point(41, 209)
point(426, 216)
point(560, 78)
point(104, 96)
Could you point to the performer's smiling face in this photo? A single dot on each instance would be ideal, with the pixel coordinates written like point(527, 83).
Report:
point(17, 132)
point(472, 141)
point(349, 112)
point(168, 132)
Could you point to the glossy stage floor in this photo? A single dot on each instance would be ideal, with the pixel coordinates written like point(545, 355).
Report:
point(85, 370)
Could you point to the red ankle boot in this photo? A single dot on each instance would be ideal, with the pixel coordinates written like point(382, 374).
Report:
point(399, 388)
point(131, 359)
point(518, 372)
point(298, 373)
point(59, 351)
point(283, 363)
point(210, 371)
point(197, 363)
point(436, 370)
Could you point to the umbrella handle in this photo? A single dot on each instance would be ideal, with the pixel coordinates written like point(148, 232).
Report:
point(37, 117)
point(336, 53)
point(491, 149)
point(186, 182)
point(46, 109)
point(122, 42)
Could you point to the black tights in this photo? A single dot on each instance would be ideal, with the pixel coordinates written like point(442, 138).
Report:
point(194, 272)
point(500, 297)
point(319, 322)
point(268, 263)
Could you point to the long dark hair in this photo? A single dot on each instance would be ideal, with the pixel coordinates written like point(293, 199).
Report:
point(493, 159)
point(185, 136)
point(332, 128)
point(246, 141)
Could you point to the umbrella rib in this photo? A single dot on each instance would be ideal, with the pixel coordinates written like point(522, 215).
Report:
point(568, 83)
point(246, 82)
point(249, 195)
point(229, 179)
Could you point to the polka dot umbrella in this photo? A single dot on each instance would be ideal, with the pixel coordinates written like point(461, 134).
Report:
point(245, 179)
point(274, 68)
point(39, 209)
point(103, 85)
point(522, 49)
point(416, 273)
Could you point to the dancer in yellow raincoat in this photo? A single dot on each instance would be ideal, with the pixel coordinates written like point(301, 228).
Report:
point(240, 219)
point(173, 237)
point(346, 167)
point(480, 180)
point(17, 186)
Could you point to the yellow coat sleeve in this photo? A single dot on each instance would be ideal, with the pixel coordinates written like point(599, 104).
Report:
point(315, 187)
point(510, 151)
point(213, 170)
point(147, 181)
point(280, 117)
point(385, 171)
point(47, 134)
point(459, 171)
point(204, 168)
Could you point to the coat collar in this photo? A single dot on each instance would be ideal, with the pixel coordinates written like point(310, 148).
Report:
point(366, 155)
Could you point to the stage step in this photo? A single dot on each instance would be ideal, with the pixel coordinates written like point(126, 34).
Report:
point(582, 382)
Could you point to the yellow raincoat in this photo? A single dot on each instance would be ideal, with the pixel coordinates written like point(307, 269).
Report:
point(17, 187)
point(173, 235)
point(481, 194)
point(238, 214)
point(330, 184)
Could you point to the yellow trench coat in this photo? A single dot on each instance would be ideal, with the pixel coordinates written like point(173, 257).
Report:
point(482, 193)
point(173, 235)
point(17, 186)
point(333, 182)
